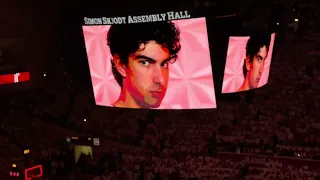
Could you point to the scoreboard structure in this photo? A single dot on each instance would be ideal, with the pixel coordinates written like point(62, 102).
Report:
point(88, 141)
point(14, 78)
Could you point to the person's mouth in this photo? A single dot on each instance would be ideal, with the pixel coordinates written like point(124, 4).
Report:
point(157, 94)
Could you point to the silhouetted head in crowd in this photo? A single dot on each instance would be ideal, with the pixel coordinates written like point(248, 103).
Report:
point(142, 54)
point(256, 53)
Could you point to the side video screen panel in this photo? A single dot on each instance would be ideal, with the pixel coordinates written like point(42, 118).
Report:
point(160, 65)
point(248, 62)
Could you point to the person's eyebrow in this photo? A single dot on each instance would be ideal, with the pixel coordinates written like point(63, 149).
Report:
point(150, 59)
point(259, 56)
point(146, 58)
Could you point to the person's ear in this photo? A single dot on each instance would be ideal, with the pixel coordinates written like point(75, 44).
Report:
point(248, 63)
point(121, 68)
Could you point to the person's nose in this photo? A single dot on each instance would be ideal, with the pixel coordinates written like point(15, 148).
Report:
point(158, 76)
point(261, 68)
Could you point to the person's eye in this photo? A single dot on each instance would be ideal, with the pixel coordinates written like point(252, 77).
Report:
point(165, 64)
point(259, 59)
point(145, 63)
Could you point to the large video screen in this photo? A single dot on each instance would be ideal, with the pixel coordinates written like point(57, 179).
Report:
point(248, 62)
point(154, 65)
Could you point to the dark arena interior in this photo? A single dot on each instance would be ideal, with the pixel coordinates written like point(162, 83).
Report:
point(51, 127)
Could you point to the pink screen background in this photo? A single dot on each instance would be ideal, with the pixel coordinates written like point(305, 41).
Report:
point(233, 72)
point(190, 84)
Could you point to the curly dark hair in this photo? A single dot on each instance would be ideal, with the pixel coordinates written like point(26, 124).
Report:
point(126, 39)
point(255, 42)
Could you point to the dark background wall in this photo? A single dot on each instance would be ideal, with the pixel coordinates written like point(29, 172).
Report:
point(27, 34)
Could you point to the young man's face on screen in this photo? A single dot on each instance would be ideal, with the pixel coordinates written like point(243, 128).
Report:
point(147, 74)
point(255, 68)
